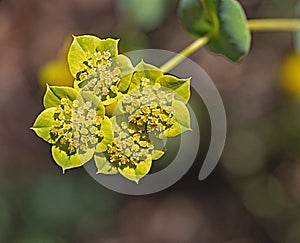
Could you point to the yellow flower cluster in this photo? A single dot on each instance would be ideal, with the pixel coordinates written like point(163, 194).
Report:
point(99, 76)
point(149, 109)
point(130, 146)
point(76, 127)
point(86, 126)
point(62, 127)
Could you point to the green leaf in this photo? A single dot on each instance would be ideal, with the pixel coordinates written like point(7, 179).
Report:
point(182, 124)
point(84, 46)
point(117, 120)
point(110, 101)
point(86, 96)
point(106, 128)
point(81, 48)
point(234, 39)
point(199, 16)
point(126, 68)
point(144, 70)
point(54, 94)
point(181, 113)
point(157, 154)
point(103, 165)
point(180, 86)
point(224, 21)
point(110, 45)
point(158, 143)
point(66, 161)
point(43, 124)
point(114, 122)
point(140, 171)
point(173, 131)
point(113, 108)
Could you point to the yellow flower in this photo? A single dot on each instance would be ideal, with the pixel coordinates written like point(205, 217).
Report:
point(64, 101)
point(61, 116)
point(75, 103)
point(69, 136)
point(106, 55)
point(82, 76)
point(145, 81)
point(60, 132)
point(136, 137)
point(114, 89)
point(144, 143)
point(98, 55)
point(84, 131)
point(99, 133)
point(98, 121)
point(290, 75)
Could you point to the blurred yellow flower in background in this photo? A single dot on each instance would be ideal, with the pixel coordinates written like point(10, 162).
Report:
point(56, 72)
point(290, 74)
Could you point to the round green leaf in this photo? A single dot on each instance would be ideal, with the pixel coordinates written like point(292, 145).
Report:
point(126, 68)
point(86, 96)
point(233, 39)
point(157, 154)
point(54, 94)
point(173, 131)
point(84, 46)
point(199, 16)
point(182, 123)
point(104, 167)
point(144, 70)
point(106, 129)
point(181, 113)
point(43, 124)
point(224, 21)
point(180, 86)
point(66, 161)
point(110, 45)
point(139, 172)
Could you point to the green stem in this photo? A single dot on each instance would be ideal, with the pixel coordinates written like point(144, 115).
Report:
point(254, 25)
point(173, 62)
point(274, 24)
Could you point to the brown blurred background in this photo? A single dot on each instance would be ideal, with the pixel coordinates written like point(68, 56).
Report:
point(252, 196)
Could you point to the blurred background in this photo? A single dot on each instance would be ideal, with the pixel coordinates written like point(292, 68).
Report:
point(252, 196)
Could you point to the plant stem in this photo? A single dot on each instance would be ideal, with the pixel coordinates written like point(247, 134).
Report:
point(274, 24)
point(194, 46)
point(254, 25)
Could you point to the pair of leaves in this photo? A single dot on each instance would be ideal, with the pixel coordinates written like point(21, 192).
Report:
point(223, 21)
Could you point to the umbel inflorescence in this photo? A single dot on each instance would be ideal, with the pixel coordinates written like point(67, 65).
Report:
point(150, 107)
